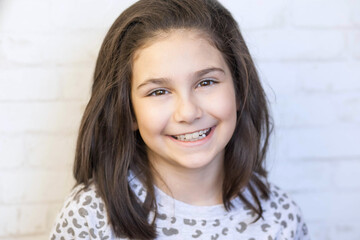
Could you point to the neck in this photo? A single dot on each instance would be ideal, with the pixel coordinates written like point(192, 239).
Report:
point(202, 187)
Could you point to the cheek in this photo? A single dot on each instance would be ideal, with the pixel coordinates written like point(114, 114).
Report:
point(147, 115)
point(224, 105)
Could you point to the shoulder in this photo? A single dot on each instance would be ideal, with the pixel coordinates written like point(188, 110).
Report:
point(82, 216)
point(282, 210)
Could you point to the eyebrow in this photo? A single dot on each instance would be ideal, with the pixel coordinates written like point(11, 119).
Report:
point(198, 74)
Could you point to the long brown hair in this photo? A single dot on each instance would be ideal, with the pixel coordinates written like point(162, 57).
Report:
point(108, 147)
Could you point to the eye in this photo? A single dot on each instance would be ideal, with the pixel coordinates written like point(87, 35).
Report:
point(206, 82)
point(158, 92)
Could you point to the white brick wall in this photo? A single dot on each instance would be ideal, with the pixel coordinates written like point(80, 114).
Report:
point(308, 55)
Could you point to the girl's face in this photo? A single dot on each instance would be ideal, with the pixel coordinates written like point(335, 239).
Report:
point(184, 101)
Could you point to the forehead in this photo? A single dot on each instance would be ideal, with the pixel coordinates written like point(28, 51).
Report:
point(177, 51)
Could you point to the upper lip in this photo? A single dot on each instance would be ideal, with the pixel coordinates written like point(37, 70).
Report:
point(190, 132)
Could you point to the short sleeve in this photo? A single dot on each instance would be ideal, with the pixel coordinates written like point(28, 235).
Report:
point(82, 217)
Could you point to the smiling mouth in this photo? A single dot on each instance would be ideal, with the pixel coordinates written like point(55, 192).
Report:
point(191, 137)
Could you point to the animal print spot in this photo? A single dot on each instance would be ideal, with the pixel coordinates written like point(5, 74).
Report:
point(298, 218)
point(101, 206)
point(141, 191)
point(83, 212)
point(246, 208)
point(225, 231)
point(304, 229)
point(215, 237)
point(273, 205)
point(101, 224)
point(276, 193)
point(98, 215)
point(173, 220)
point(284, 224)
point(217, 223)
point(83, 234)
point(58, 228)
point(53, 237)
point(87, 201)
point(92, 233)
point(291, 216)
point(65, 223)
point(191, 222)
point(71, 231)
point(251, 213)
point(197, 234)
point(71, 213)
point(277, 215)
point(242, 228)
point(265, 227)
point(281, 200)
point(203, 222)
point(286, 206)
point(170, 231)
point(270, 238)
point(75, 223)
point(94, 205)
point(162, 216)
point(102, 237)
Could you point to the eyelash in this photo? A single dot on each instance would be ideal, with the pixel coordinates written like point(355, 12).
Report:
point(160, 92)
point(208, 81)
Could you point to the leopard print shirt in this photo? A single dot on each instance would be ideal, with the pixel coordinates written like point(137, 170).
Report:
point(84, 217)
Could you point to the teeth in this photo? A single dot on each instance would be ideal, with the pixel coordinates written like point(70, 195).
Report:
point(192, 136)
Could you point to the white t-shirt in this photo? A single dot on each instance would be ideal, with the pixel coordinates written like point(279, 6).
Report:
point(84, 217)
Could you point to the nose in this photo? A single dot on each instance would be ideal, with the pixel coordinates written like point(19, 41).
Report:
point(187, 110)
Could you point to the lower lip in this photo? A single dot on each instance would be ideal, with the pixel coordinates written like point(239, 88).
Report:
point(197, 142)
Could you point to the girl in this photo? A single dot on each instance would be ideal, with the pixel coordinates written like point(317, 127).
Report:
point(173, 140)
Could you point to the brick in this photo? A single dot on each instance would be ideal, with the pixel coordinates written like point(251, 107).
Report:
point(345, 230)
point(35, 186)
point(329, 207)
point(53, 211)
point(75, 83)
point(290, 78)
point(55, 49)
point(290, 45)
point(30, 237)
point(79, 15)
point(11, 151)
point(268, 14)
point(42, 151)
point(24, 83)
point(316, 109)
point(321, 13)
point(300, 175)
point(354, 44)
point(347, 174)
point(330, 142)
point(21, 16)
point(354, 12)
point(52, 117)
point(32, 219)
point(8, 220)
